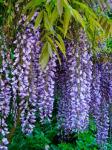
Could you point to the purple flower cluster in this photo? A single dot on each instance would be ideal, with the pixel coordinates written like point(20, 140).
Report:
point(84, 71)
point(110, 101)
point(100, 99)
point(46, 84)
point(96, 95)
point(64, 102)
point(95, 90)
point(24, 74)
point(84, 87)
point(5, 93)
point(103, 125)
point(75, 81)
point(32, 86)
point(110, 82)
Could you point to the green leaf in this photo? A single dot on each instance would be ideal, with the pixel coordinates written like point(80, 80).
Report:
point(54, 16)
point(49, 49)
point(53, 47)
point(44, 58)
point(49, 8)
point(50, 41)
point(47, 23)
point(67, 16)
point(61, 30)
point(60, 7)
point(95, 23)
point(38, 19)
point(86, 9)
point(32, 5)
point(106, 24)
point(1, 1)
point(66, 4)
point(61, 44)
point(78, 17)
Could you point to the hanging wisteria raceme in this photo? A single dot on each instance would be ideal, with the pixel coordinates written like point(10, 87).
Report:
point(84, 71)
point(17, 70)
point(24, 80)
point(75, 97)
point(63, 107)
point(5, 92)
point(25, 75)
point(110, 82)
point(33, 80)
point(96, 98)
point(46, 83)
point(32, 85)
point(110, 100)
point(100, 99)
point(95, 90)
point(104, 118)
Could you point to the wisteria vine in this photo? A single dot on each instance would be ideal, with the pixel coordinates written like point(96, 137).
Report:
point(85, 86)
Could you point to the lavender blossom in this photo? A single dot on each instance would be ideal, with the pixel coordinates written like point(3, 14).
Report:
point(46, 83)
point(29, 77)
point(25, 75)
point(75, 96)
point(103, 125)
point(5, 93)
point(100, 100)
